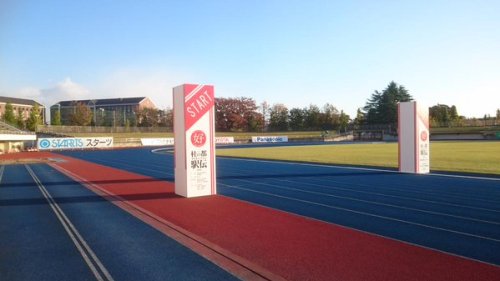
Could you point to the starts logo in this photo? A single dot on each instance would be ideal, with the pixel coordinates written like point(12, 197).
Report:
point(44, 143)
point(198, 138)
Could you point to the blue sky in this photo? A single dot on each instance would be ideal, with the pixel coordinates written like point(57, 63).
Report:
point(292, 52)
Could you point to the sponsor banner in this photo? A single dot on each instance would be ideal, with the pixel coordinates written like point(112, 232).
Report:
point(157, 141)
point(270, 139)
point(17, 137)
point(74, 143)
point(224, 140)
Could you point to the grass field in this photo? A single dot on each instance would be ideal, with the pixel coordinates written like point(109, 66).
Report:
point(464, 156)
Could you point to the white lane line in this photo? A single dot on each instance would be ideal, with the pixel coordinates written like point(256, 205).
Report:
point(369, 202)
point(365, 213)
point(398, 196)
point(330, 187)
point(241, 172)
point(234, 264)
point(363, 169)
point(2, 168)
point(88, 255)
point(413, 188)
point(365, 232)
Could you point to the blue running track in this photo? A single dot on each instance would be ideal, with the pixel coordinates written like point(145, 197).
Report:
point(36, 245)
point(453, 214)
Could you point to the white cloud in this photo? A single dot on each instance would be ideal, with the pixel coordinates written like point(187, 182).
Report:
point(64, 90)
point(156, 85)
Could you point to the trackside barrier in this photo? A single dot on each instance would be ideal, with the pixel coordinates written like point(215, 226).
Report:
point(265, 139)
point(157, 141)
point(224, 140)
point(74, 143)
point(171, 141)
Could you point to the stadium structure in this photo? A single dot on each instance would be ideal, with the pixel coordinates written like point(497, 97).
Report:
point(21, 107)
point(105, 112)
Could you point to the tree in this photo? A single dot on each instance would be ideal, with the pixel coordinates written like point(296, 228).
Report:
point(296, 119)
point(237, 114)
point(34, 119)
point(264, 106)
point(442, 115)
point(255, 121)
point(148, 117)
point(167, 118)
point(9, 116)
point(278, 117)
point(330, 117)
point(382, 107)
point(81, 116)
point(344, 121)
point(56, 119)
point(360, 118)
point(312, 118)
point(20, 123)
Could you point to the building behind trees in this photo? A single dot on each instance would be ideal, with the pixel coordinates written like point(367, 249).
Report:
point(113, 112)
point(17, 112)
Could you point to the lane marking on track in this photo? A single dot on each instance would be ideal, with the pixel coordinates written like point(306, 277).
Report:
point(2, 169)
point(232, 263)
point(402, 186)
point(365, 213)
point(367, 232)
point(372, 192)
point(93, 262)
point(368, 201)
point(362, 168)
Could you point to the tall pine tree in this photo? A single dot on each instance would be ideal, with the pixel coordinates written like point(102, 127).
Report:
point(382, 107)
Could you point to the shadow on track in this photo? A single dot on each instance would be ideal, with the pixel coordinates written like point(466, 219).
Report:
point(89, 199)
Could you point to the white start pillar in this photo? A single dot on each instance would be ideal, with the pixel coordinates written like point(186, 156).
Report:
point(413, 138)
point(194, 135)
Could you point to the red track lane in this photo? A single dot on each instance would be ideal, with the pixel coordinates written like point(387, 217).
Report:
point(287, 245)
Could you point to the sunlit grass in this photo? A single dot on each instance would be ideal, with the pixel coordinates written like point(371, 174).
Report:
point(469, 157)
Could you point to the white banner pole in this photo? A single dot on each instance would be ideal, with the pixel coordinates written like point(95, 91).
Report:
point(413, 138)
point(194, 140)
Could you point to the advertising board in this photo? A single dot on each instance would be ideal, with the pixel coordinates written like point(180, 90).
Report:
point(157, 141)
point(74, 143)
point(265, 139)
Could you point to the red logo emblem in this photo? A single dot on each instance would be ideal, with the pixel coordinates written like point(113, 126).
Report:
point(423, 135)
point(198, 138)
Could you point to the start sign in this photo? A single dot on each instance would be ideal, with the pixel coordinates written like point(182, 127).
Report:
point(194, 133)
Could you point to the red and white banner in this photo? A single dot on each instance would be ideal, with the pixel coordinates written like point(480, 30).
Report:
point(413, 140)
point(194, 134)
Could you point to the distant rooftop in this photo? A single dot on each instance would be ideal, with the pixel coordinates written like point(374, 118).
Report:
point(19, 101)
point(104, 102)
